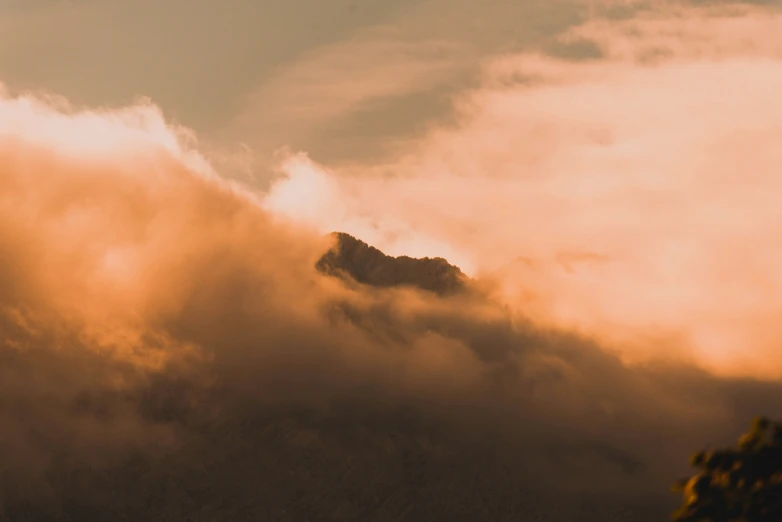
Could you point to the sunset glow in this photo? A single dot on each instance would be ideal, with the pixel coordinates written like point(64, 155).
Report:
point(605, 174)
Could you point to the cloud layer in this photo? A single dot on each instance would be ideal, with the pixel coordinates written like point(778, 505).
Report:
point(168, 350)
point(644, 175)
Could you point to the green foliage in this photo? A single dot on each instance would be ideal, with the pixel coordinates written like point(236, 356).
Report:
point(740, 484)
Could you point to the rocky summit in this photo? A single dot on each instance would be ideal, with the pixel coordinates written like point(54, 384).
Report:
point(354, 259)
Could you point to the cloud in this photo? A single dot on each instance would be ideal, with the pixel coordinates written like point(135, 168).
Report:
point(644, 177)
point(158, 324)
point(306, 102)
point(373, 92)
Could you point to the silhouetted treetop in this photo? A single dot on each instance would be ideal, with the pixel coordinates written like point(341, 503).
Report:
point(740, 484)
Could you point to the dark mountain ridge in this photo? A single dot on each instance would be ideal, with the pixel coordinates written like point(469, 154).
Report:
point(354, 259)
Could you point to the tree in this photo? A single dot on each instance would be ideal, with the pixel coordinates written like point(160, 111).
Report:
point(740, 484)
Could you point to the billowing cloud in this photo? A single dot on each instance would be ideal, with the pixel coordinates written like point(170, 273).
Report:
point(631, 195)
point(168, 350)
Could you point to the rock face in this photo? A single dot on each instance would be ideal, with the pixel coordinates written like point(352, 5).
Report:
point(354, 259)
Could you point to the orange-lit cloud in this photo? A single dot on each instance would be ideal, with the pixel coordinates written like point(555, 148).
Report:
point(652, 170)
point(159, 324)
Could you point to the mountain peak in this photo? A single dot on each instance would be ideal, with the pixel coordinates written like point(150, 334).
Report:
point(352, 258)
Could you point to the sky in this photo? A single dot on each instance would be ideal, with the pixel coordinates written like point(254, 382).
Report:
point(334, 78)
point(606, 170)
